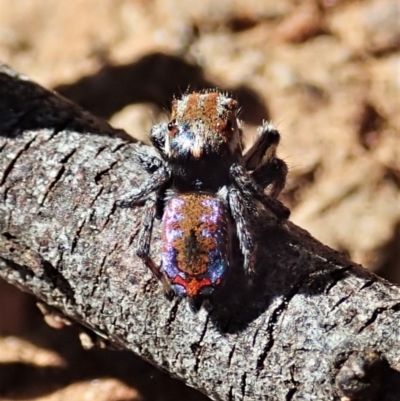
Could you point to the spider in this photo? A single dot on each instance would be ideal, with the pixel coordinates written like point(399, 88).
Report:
point(209, 188)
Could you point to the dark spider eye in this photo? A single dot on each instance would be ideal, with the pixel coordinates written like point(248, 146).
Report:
point(171, 125)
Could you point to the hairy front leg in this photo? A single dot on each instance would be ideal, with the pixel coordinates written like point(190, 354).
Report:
point(267, 169)
point(250, 189)
point(271, 176)
point(144, 240)
point(263, 148)
point(239, 213)
point(154, 183)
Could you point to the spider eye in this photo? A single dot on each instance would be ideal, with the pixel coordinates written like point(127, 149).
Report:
point(171, 125)
point(229, 125)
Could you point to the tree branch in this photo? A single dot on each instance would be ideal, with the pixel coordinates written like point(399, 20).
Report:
point(308, 326)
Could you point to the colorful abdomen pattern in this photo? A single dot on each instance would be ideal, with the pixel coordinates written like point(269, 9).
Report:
point(196, 243)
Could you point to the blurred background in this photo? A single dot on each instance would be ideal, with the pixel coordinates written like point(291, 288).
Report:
point(326, 72)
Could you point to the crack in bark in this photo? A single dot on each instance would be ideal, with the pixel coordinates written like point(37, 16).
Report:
point(270, 331)
point(93, 211)
point(367, 284)
point(292, 391)
point(230, 356)
point(100, 191)
point(99, 150)
point(6, 191)
point(60, 259)
point(68, 156)
point(47, 272)
point(197, 347)
point(290, 394)
point(341, 300)
point(255, 337)
point(243, 385)
point(119, 146)
point(58, 176)
point(330, 327)
point(100, 174)
point(172, 316)
point(9, 236)
point(60, 127)
point(277, 312)
point(108, 218)
point(376, 313)
point(230, 393)
point(77, 236)
point(336, 276)
point(99, 272)
point(11, 165)
point(135, 231)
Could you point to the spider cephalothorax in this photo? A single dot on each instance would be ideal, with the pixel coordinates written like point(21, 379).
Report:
point(202, 124)
point(210, 188)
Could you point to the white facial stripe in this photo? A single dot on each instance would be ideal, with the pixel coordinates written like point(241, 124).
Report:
point(167, 145)
point(181, 107)
point(201, 101)
point(197, 146)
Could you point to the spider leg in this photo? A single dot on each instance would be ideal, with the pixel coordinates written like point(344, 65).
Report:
point(159, 138)
point(154, 183)
point(271, 174)
point(267, 169)
point(144, 239)
point(238, 209)
point(250, 189)
point(263, 148)
point(148, 158)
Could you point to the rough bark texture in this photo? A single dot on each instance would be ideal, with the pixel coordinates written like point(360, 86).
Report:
point(310, 325)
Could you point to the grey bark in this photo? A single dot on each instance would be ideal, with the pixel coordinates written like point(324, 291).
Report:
point(310, 325)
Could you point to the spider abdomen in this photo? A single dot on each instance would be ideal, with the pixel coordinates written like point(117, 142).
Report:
point(195, 243)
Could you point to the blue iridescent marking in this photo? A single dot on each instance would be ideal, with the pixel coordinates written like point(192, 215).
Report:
point(195, 243)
